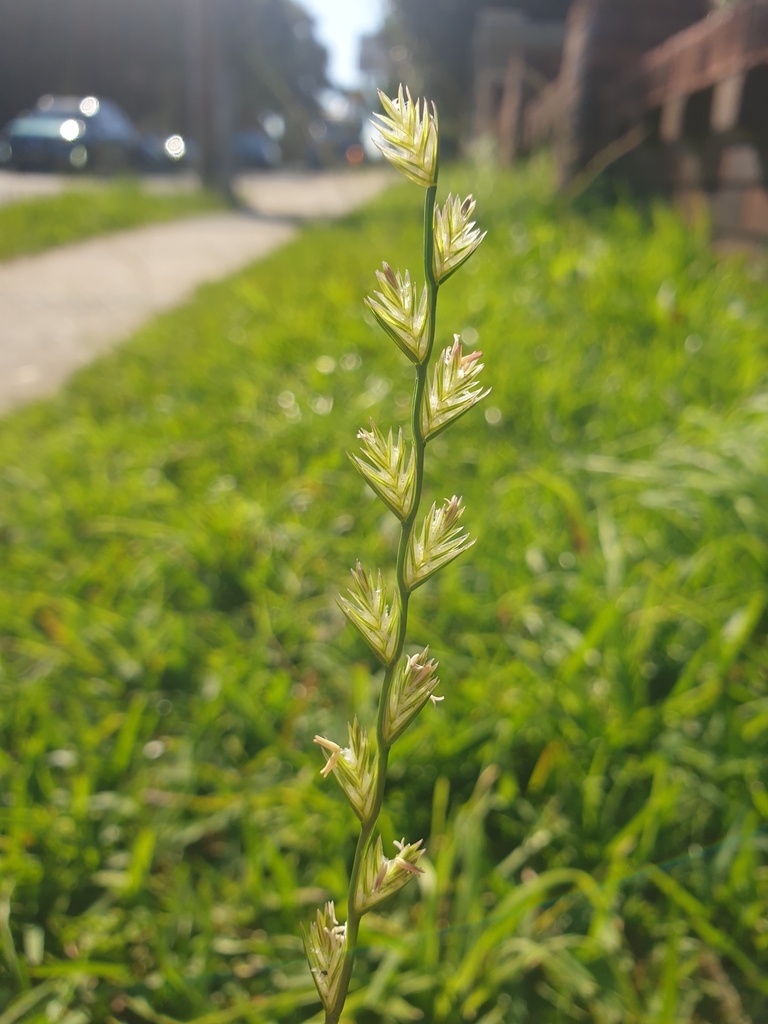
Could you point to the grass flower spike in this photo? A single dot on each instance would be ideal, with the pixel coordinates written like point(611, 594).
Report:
point(390, 469)
point(394, 469)
point(407, 136)
point(403, 316)
point(456, 236)
point(326, 948)
point(455, 388)
point(381, 877)
point(369, 612)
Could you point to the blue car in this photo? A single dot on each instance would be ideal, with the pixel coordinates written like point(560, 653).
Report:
point(255, 149)
point(77, 133)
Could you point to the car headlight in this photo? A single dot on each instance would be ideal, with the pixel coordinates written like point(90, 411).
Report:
point(90, 106)
point(175, 147)
point(71, 129)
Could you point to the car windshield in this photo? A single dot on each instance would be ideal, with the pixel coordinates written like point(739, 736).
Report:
point(37, 126)
point(60, 105)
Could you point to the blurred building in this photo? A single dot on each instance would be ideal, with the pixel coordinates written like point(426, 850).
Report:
point(604, 40)
point(670, 94)
point(515, 58)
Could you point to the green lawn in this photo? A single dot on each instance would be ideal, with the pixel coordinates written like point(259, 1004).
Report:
point(173, 527)
point(35, 224)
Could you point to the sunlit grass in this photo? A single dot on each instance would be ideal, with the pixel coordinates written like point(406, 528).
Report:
point(168, 525)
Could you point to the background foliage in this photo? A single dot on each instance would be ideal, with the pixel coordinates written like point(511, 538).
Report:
point(173, 527)
point(432, 40)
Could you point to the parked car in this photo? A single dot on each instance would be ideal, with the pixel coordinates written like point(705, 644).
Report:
point(334, 142)
point(336, 136)
point(255, 149)
point(75, 133)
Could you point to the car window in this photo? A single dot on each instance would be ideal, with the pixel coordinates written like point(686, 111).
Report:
point(36, 126)
point(65, 105)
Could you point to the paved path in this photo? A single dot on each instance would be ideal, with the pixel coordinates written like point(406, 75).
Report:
point(20, 185)
point(310, 196)
point(61, 308)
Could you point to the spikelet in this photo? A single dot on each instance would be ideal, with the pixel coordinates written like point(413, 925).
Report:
point(368, 611)
point(456, 236)
point(326, 948)
point(407, 136)
point(389, 467)
point(453, 390)
point(401, 312)
point(414, 684)
point(354, 767)
point(381, 877)
point(441, 540)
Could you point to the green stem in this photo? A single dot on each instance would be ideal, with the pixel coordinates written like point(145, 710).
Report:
point(406, 530)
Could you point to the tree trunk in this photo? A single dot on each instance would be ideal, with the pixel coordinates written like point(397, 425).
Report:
point(210, 93)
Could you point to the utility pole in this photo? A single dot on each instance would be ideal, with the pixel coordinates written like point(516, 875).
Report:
point(208, 49)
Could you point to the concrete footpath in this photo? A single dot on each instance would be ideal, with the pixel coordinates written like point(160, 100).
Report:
point(61, 308)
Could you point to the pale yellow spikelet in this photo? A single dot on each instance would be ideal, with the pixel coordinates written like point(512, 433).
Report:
point(326, 948)
point(408, 136)
point(369, 609)
point(388, 465)
point(414, 685)
point(354, 767)
point(456, 236)
point(453, 390)
point(402, 312)
point(381, 877)
point(441, 540)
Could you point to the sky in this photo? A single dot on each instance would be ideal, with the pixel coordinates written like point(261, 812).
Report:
point(339, 25)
